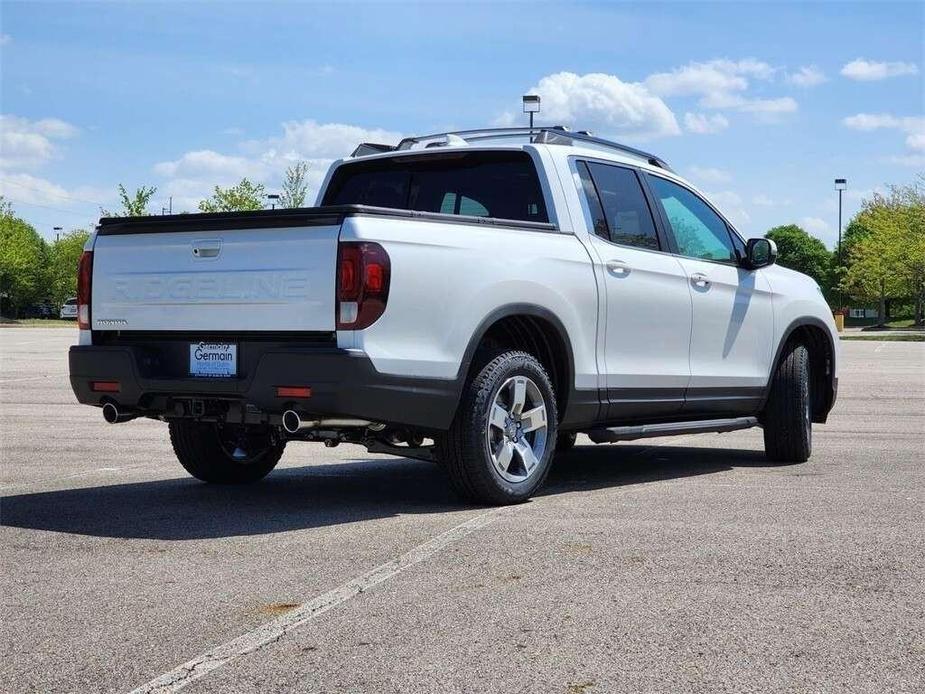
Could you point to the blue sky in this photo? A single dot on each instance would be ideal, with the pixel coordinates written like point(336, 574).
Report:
point(761, 105)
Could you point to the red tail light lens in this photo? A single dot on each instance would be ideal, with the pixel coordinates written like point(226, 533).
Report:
point(84, 278)
point(363, 272)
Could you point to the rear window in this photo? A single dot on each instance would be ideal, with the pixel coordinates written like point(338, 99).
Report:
point(70, 302)
point(479, 184)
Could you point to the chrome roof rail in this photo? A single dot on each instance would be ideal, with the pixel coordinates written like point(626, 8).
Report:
point(557, 134)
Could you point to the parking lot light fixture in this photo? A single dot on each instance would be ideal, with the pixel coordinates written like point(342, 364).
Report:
point(841, 185)
point(531, 106)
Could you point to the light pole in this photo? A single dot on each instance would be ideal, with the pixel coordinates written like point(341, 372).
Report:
point(273, 198)
point(531, 106)
point(841, 185)
point(57, 231)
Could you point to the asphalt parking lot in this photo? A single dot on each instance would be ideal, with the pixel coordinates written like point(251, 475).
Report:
point(687, 564)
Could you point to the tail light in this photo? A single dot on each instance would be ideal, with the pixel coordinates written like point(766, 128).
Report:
point(84, 276)
point(363, 272)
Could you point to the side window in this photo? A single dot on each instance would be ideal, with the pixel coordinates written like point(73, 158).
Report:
point(625, 210)
point(460, 204)
point(594, 203)
point(737, 243)
point(698, 230)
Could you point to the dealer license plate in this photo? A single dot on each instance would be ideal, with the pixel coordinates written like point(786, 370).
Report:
point(213, 359)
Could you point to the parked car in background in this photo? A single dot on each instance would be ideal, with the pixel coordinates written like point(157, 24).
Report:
point(69, 309)
point(495, 292)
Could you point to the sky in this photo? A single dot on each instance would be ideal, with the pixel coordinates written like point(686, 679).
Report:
point(760, 105)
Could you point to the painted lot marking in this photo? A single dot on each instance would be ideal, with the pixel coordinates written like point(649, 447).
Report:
point(273, 631)
point(29, 378)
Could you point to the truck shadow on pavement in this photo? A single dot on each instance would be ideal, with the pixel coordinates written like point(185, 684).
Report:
point(298, 498)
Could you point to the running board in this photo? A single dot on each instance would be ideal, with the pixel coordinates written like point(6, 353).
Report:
point(647, 431)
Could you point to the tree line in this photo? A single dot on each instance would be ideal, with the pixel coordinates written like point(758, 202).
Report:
point(881, 260)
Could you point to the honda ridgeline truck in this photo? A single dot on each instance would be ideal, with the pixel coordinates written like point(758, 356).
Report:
point(473, 298)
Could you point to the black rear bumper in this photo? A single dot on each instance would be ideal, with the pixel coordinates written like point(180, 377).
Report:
point(344, 383)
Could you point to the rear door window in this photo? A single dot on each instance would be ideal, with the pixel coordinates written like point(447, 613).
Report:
point(479, 184)
point(618, 205)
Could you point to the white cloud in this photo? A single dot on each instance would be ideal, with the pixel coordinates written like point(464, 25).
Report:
point(604, 103)
point(206, 162)
point(807, 76)
point(722, 84)
point(711, 77)
point(26, 144)
point(916, 140)
point(704, 124)
point(506, 119)
point(233, 130)
point(874, 121)
point(707, 174)
point(193, 176)
point(5, 39)
point(33, 190)
point(309, 139)
point(912, 126)
point(870, 71)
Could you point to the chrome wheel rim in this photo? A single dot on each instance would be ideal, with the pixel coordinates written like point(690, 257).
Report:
point(517, 429)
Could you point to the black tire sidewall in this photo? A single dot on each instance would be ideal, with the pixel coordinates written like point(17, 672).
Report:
point(199, 449)
point(480, 396)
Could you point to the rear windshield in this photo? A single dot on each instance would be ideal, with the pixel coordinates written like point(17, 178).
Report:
point(70, 302)
point(480, 184)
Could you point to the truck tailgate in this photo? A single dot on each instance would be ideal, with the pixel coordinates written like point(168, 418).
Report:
point(204, 275)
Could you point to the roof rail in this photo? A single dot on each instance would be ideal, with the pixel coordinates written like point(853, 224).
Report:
point(554, 135)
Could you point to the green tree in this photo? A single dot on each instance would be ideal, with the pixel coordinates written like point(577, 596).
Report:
point(23, 262)
point(242, 197)
point(870, 273)
point(804, 253)
point(64, 256)
point(907, 240)
point(134, 205)
point(295, 186)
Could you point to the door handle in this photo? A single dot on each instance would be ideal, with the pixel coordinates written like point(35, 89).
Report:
point(618, 267)
point(700, 280)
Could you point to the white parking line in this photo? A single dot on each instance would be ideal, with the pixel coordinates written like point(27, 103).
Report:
point(28, 378)
point(84, 473)
point(270, 632)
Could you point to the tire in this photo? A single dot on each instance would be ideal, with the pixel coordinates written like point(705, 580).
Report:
point(205, 450)
point(490, 454)
point(788, 434)
point(566, 441)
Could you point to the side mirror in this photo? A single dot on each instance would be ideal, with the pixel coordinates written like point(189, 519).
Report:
point(760, 253)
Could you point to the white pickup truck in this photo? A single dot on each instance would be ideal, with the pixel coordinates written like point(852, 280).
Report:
point(474, 298)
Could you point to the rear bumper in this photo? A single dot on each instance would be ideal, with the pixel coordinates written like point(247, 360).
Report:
point(344, 383)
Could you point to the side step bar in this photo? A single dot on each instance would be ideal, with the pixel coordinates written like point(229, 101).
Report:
point(647, 431)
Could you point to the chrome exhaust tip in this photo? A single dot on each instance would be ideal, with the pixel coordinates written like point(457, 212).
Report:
point(294, 422)
point(113, 415)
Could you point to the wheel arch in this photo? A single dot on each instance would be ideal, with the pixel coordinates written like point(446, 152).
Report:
point(815, 335)
point(532, 328)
